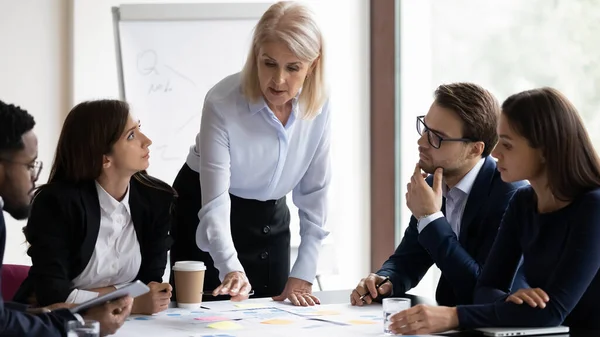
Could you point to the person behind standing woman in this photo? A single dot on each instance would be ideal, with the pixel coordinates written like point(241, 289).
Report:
point(19, 170)
point(101, 221)
point(553, 225)
point(264, 132)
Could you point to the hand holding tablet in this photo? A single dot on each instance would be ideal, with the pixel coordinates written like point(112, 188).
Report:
point(133, 289)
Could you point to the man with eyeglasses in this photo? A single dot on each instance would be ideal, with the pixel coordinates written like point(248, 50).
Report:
point(19, 170)
point(457, 204)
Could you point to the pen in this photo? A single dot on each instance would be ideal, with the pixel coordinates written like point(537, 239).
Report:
point(362, 298)
point(209, 293)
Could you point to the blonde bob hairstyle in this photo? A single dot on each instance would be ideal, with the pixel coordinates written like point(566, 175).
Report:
point(294, 25)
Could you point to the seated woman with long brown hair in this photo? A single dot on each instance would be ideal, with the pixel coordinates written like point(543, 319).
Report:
point(100, 221)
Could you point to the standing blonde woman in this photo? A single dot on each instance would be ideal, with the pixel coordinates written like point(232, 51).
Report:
point(264, 132)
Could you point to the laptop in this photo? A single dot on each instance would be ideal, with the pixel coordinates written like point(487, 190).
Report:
point(505, 332)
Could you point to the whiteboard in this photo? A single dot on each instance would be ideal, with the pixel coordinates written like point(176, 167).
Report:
point(168, 57)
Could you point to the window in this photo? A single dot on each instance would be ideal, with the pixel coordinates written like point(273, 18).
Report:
point(506, 46)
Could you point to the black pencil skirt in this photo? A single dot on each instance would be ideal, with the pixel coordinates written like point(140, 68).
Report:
point(260, 232)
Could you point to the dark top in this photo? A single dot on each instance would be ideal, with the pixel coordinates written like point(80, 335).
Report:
point(63, 228)
point(560, 254)
point(460, 259)
point(15, 322)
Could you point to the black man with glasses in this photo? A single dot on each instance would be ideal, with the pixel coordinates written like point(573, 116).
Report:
point(457, 204)
point(19, 170)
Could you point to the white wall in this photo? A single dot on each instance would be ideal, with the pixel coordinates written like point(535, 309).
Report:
point(34, 74)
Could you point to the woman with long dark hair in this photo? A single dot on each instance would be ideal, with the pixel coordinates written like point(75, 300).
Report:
point(100, 221)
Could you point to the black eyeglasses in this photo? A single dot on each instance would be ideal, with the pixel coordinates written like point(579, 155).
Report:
point(34, 168)
point(434, 138)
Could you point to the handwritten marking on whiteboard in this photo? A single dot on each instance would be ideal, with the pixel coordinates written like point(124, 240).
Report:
point(180, 74)
point(148, 64)
point(160, 87)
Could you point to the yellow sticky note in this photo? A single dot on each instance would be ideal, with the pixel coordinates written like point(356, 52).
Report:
point(225, 325)
point(323, 313)
point(250, 305)
point(277, 322)
point(361, 322)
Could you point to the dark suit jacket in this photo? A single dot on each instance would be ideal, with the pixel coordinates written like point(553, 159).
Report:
point(15, 322)
point(460, 259)
point(63, 228)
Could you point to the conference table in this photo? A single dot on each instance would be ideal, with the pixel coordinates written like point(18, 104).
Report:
point(265, 317)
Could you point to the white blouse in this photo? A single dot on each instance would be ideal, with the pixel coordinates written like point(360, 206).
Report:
point(243, 149)
point(116, 258)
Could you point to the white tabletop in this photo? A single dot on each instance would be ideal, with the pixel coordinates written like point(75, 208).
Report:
point(262, 317)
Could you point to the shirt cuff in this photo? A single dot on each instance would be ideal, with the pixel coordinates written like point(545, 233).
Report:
point(79, 296)
point(79, 318)
point(423, 222)
point(305, 267)
point(228, 266)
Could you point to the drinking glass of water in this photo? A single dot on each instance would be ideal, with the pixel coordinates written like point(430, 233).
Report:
point(393, 305)
point(88, 328)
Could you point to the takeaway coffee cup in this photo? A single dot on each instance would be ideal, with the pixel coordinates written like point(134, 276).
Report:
point(189, 282)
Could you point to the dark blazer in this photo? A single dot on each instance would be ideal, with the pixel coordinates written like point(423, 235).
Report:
point(63, 228)
point(15, 322)
point(460, 259)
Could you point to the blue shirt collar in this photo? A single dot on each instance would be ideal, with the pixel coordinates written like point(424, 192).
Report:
point(260, 104)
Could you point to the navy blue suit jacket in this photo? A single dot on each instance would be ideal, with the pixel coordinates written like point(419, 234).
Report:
point(15, 322)
point(460, 259)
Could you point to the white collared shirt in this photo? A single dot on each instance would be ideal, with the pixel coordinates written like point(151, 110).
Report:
point(116, 258)
point(243, 149)
point(456, 200)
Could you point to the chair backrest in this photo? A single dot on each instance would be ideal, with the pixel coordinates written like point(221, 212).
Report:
point(12, 277)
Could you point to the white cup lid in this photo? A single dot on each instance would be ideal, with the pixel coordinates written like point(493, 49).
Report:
point(189, 266)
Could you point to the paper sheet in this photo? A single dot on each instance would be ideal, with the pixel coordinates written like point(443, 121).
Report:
point(259, 318)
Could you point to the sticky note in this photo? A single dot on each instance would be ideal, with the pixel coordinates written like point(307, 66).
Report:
point(323, 313)
point(250, 305)
point(211, 318)
point(225, 325)
point(361, 322)
point(276, 321)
